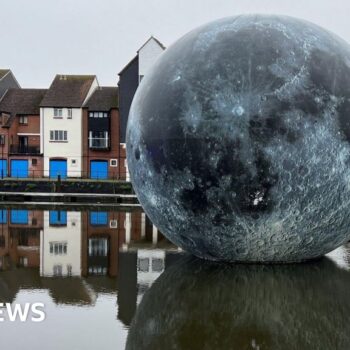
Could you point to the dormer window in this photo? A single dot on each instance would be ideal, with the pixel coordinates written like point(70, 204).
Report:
point(57, 112)
point(4, 118)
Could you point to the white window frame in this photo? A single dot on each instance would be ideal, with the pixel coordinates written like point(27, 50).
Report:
point(58, 248)
point(69, 113)
point(58, 136)
point(113, 223)
point(23, 119)
point(113, 163)
point(57, 112)
point(98, 114)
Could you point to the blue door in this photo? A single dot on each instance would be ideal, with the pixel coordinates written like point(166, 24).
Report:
point(58, 218)
point(3, 167)
point(19, 217)
point(58, 167)
point(98, 218)
point(19, 168)
point(99, 169)
point(3, 216)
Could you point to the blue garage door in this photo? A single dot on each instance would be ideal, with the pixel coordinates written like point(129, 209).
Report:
point(99, 169)
point(3, 216)
point(19, 217)
point(3, 167)
point(58, 167)
point(19, 168)
point(98, 218)
point(58, 218)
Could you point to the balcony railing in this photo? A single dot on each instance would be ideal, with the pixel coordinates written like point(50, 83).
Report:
point(99, 143)
point(22, 149)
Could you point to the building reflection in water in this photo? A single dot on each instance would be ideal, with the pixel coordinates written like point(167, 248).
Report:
point(78, 254)
point(80, 257)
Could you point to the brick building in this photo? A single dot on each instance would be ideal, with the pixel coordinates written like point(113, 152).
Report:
point(101, 135)
point(20, 237)
point(20, 133)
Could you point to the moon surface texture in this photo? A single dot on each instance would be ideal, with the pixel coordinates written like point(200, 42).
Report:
point(238, 140)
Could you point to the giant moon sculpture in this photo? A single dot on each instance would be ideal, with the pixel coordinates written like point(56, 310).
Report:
point(238, 140)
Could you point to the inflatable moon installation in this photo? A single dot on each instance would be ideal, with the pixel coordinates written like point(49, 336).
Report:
point(238, 141)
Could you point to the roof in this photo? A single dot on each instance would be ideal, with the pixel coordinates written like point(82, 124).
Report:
point(103, 99)
point(21, 102)
point(68, 91)
point(151, 38)
point(4, 72)
point(129, 64)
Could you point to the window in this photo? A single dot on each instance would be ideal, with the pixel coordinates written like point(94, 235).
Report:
point(34, 221)
point(70, 113)
point(57, 270)
point(143, 264)
point(157, 265)
point(113, 224)
point(2, 139)
point(57, 112)
point(98, 139)
point(98, 114)
point(98, 247)
point(23, 261)
point(23, 119)
point(34, 161)
point(58, 135)
point(113, 162)
point(58, 248)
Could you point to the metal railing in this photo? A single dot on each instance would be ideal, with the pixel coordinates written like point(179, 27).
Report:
point(23, 149)
point(117, 175)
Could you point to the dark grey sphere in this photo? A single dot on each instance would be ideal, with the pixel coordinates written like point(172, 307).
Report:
point(238, 140)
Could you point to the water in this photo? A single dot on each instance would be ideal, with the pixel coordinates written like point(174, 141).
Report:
point(110, 280)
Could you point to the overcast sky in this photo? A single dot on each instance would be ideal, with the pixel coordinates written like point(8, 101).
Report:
point(40, 38)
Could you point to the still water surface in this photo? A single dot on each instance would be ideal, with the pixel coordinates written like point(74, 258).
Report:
point(110, 280)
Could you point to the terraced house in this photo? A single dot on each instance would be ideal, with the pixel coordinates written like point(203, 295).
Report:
point(129, 79)
point(101, 147)
point(20, 133)
point(62, 126)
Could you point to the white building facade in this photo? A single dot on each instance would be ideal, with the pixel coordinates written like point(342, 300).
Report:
point(148, 54)
point(60, 244)
point(61, 125)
